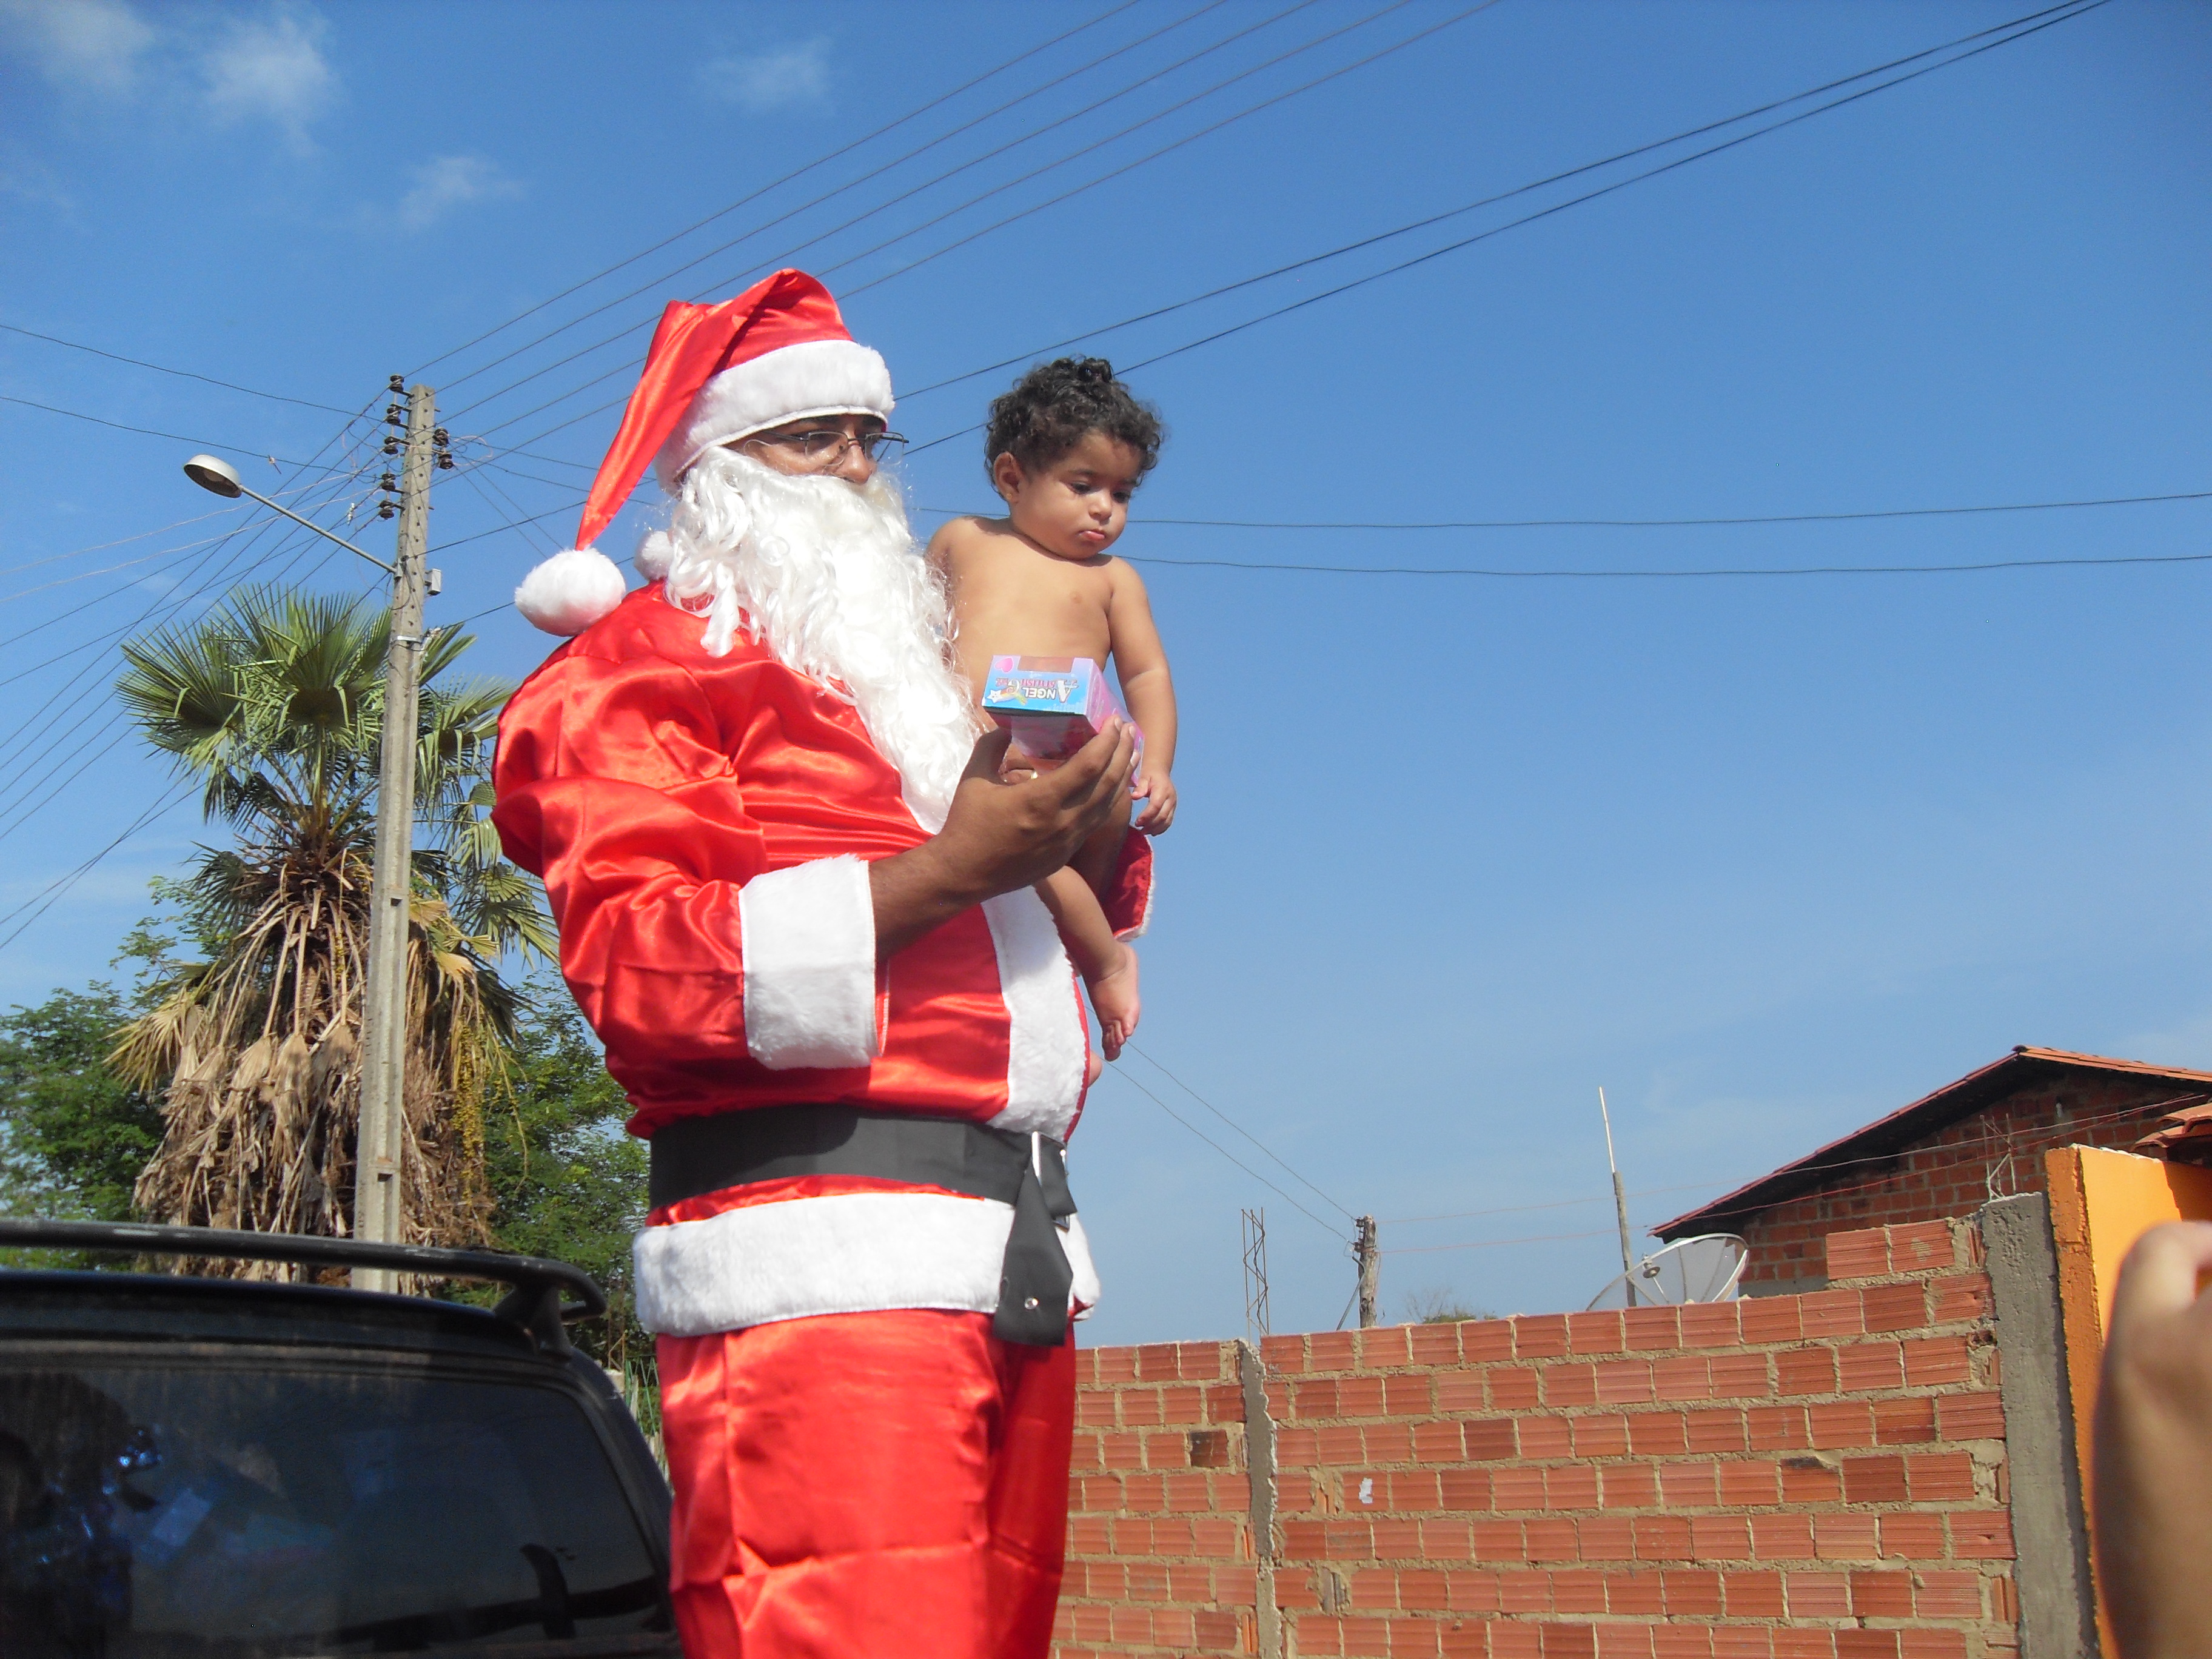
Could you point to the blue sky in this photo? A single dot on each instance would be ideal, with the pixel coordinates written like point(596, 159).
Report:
point(1764, 857)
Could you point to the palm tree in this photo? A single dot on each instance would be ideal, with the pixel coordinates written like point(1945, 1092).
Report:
point(274, 703)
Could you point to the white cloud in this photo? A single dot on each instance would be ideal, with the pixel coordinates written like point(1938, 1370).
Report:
point(94, 44)
point(272, 67)
point(787, 77)
point(450, 182)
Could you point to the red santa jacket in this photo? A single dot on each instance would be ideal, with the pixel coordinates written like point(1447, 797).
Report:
point(703, 826)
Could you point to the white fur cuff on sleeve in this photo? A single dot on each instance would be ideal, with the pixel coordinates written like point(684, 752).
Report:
point(809, 956)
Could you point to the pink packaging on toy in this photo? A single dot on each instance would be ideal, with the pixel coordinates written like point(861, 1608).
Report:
point(1052, 705)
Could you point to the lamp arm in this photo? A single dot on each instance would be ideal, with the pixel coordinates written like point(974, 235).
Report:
point(275, 508)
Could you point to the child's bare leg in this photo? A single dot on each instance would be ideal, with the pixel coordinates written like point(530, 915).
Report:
point(1108, 966)
point(1095, 861)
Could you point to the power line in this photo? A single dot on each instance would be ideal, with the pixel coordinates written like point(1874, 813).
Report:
point(1224, 1151)
point(120, 541)
point(1606, 190)
point(53, 890)
point(1247, 1134)
point(1654, 524)
point(177, 437)
point(99, 598)
point(1488, 201)
point(515, 524)
point(109, 570)
point(2010, 1137)
point(181, 374)
point(1150, 120)
point(1572, 202)
point(1657, 576)
point(817, 237)
point(1551, 1204)
point(1154, 155)
point(57, 700)
point(1495, 1243)
point(819, 160)
point(831, 195)
point(1627, 524)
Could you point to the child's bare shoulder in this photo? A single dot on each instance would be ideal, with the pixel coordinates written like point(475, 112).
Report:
point(1123, 580)
point(968, 538)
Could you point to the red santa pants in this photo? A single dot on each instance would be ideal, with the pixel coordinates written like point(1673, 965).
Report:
point(863, 1484)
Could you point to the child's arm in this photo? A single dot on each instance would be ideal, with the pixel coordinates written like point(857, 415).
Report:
point(1148, 688)
point(1108, 966)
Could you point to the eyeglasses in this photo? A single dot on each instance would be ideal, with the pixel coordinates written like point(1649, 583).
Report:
point(824, 447)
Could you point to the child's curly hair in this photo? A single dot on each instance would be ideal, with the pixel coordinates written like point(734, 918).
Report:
point(1055, 405)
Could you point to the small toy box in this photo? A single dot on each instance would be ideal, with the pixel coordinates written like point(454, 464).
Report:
point(1052, 705)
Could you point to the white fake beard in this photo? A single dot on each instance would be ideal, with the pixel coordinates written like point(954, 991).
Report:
point(827, 576)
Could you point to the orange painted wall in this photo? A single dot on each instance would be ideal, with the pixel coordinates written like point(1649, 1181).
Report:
point(2101, 1202)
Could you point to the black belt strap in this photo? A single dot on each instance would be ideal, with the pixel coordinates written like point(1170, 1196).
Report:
point(696, 1155)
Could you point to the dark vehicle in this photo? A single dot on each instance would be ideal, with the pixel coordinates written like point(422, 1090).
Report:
point(202, 1468)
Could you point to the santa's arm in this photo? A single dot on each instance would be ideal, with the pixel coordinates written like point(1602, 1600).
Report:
point(998, 836)
point(615, 786)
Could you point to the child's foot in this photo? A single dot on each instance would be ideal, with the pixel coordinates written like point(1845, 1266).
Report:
point(1113, 997)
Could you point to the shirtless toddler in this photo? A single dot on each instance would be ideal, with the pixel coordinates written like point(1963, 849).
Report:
point(1066, 449)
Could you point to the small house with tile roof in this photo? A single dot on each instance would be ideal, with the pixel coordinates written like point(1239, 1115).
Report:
point(1949, 1152)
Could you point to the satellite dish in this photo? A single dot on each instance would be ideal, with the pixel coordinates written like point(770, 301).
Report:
point(1701, 1269)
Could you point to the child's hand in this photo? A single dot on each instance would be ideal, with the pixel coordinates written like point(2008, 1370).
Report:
point(1157, 812)
point(1114, 999)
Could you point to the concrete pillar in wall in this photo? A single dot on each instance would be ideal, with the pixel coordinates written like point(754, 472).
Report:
point(1259, 1472)
point(2058, 1606)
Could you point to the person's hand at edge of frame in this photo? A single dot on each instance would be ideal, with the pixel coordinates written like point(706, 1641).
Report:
point(2153, 1439)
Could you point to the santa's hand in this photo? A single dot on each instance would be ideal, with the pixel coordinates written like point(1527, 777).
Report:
point(999, 836)
point(1155, 792)
point(2154, 1446)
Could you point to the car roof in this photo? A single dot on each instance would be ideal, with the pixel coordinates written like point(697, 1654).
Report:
point(75, 1305)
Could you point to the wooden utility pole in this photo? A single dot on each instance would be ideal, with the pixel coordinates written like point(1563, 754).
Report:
point(1370, 1269)
point(379, 1207)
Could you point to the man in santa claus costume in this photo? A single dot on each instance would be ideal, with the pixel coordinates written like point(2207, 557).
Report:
point(795, 903)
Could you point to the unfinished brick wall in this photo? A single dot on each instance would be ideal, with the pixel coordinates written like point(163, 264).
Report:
point(1954, 1171)
point(1811, 1477)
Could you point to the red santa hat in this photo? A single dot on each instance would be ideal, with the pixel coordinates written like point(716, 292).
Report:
point(778, 352)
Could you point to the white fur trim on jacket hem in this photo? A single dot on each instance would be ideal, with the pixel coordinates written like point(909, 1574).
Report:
point(851, 1253)
point(809, 938)
point(570, 590)
point(1045, 1032)
point(791, 383)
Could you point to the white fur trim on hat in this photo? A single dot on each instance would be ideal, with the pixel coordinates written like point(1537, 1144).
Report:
point(791, 383)
point(570, 590)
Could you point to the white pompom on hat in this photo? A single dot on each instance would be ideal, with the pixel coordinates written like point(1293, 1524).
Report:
point(778, 352)
point(570, 590)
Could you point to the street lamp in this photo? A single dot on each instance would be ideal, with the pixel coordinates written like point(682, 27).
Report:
point(379, 1207)
point(222, 478)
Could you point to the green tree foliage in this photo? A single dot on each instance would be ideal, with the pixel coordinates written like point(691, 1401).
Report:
point(566, 1181)
point(75, 1136)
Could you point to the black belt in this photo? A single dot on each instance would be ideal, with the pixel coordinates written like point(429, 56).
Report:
point(696, 1155)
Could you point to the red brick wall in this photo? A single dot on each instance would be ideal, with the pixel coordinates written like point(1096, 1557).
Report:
point(1950, 1174)
point(1813, 1476)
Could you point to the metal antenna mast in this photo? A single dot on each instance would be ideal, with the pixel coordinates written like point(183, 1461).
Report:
point(1619, 1198)
point(1255, 1224)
